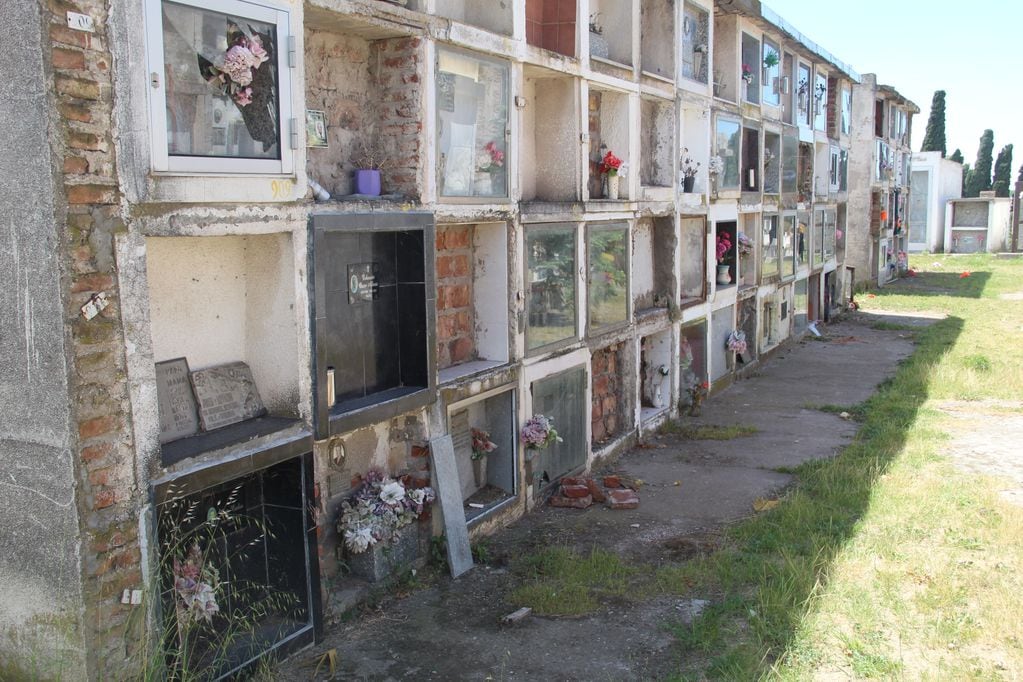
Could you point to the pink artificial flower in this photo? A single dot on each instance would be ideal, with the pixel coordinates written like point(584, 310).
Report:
point(237, 64)
point(243, 97)
point(255, 46)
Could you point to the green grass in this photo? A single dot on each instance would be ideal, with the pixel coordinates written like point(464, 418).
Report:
point(558, 581)
point(883, 562)
point(855, 412)
point(894, 327)
point(707, 432)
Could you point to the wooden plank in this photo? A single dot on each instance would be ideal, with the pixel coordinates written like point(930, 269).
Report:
point(449, 497)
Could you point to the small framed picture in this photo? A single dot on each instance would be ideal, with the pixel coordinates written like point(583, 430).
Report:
point(315, 128)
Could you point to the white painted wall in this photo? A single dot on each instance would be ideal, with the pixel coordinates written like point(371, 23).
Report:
point(220, 299)
point(944, 182)
point(490, 290)
point(642, 260)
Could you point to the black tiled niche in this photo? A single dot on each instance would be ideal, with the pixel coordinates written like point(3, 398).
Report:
point(374, 309)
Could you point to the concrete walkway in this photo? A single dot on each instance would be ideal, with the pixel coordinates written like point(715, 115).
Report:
point(451, 630)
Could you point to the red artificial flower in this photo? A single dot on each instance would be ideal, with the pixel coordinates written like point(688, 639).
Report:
point(610, 163)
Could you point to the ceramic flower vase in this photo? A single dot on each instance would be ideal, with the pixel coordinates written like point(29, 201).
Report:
point(613, 187)
point(688, 183)
point(724, 277)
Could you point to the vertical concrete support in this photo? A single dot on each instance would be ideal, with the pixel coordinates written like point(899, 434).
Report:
point(40, 588)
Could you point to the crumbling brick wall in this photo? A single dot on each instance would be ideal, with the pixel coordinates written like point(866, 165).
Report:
point(455, 318)
point(395, 66)
point(107, 499)
point(607, 405)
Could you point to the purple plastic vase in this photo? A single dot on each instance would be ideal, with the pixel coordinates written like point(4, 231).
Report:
point(367, 182)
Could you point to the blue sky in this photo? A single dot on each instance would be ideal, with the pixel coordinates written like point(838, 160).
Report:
point(919, 46)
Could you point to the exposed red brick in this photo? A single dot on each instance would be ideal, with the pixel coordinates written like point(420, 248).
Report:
point(68, 59)
point(76, 165)
point(77, 87)
point(622, 498)
point(575, 491)
point(455, 296)
point(91, 194)
point(75, 112)
point(64, 35)
point(104, 499)
point(92, 282)
point(596, 491)
point(86, 141)
point(94, 453)
point(612, 481)
point(96, 427)
point(100, 477)
point(460, 349)
point(452, 266)
point(571, 502)
point(420, 451)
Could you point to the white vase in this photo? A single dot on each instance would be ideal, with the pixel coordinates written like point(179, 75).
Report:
point(724, 277)
point(613, 187)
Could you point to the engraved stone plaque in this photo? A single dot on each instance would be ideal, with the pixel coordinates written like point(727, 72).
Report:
point(362, 282)
point(175, 400)
point(226, 395)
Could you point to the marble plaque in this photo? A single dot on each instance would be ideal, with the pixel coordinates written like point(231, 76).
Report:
point(176, 401)
point(226, 395)
point(362, 282)
point(449, 498)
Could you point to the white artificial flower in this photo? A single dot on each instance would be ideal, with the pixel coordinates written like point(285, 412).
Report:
point(417, 496)
point(359, 539)
point(392, 493)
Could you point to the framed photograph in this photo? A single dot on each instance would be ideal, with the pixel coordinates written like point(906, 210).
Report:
point(315, 128)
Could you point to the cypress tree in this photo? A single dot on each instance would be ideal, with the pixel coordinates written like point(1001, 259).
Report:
point(967, 171)
point(957, 156)
point(1003, 172)
point(980, 176)
point(934, 138)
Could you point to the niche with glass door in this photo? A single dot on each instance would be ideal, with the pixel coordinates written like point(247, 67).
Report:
point(653, 250)
point(607, 275)
point(770, 248)
point(695, 54)
point(484, 437)
point(472, 125)
point(728, 146)
point(497, 17)
point(692, 365)
point(550, 142)
point(550, 262)
point(693, 260)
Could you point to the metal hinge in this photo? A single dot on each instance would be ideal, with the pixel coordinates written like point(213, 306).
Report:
point(293, 132)
point(292, 52)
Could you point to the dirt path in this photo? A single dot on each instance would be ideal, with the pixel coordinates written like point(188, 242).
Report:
point(987, 438)
point(452, 630)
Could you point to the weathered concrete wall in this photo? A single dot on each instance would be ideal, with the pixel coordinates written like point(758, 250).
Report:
point(40, 595)
point(858, 239)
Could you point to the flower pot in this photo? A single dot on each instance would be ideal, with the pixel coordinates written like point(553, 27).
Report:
point(688, 182)
point(479, 471)
point(613, 187)
point(385, 558)
point(483, 185)
point(724, 277)
point(367, 182)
